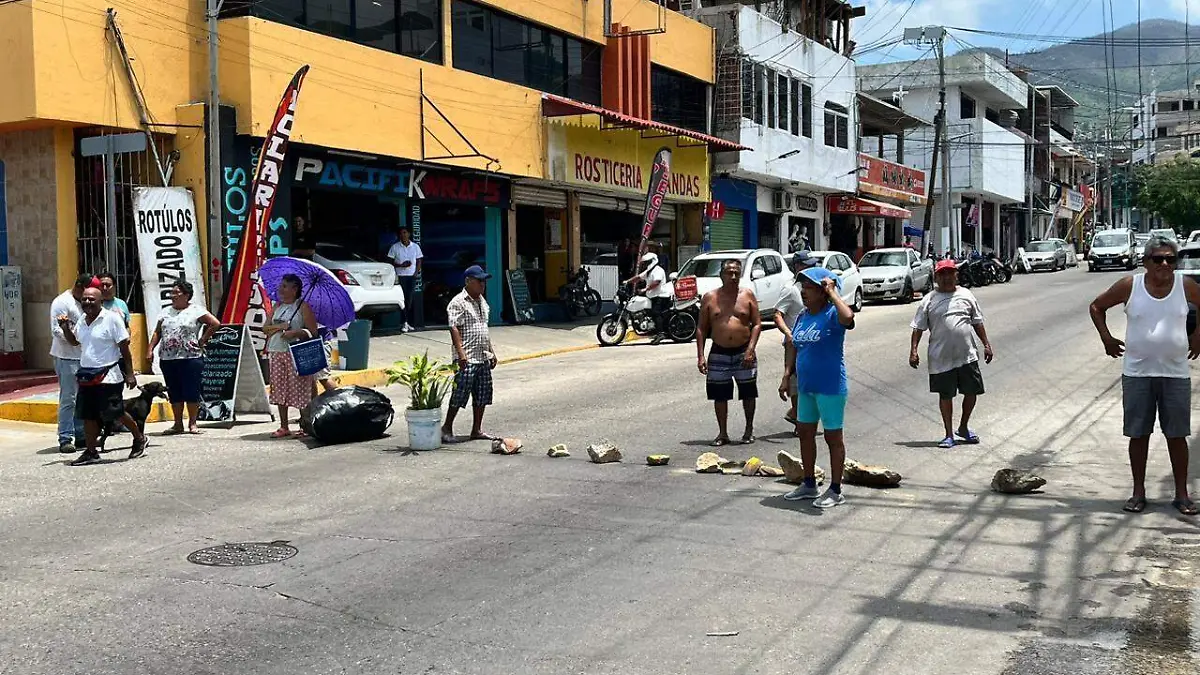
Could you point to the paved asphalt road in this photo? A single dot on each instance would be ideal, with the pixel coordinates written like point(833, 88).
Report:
point(458, 561)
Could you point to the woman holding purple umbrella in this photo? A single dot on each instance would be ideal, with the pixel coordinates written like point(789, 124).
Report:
point(292, 321)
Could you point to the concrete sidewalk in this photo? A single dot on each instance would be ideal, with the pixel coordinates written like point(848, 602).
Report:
point(513, 344)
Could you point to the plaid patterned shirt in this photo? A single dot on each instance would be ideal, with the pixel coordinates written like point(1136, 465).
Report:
point(470, 317)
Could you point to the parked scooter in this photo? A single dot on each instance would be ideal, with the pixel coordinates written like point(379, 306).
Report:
point(578, 297)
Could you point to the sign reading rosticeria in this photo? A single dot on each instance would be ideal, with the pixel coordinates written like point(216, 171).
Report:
point(620, 161)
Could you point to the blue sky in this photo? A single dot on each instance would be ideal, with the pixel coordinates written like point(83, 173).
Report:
point(1074, 18)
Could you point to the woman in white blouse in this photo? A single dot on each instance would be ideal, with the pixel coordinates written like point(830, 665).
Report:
point(183, 330)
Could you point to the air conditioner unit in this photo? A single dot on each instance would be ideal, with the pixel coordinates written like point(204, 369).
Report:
point(781, 201)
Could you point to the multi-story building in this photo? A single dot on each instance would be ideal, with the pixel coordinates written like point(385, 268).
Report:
point(786, 91)
point(1166, 125)
point(987, 156)
point(509, 133)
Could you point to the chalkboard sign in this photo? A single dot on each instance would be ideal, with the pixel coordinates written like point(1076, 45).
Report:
point(518, 291)
point(231, 381)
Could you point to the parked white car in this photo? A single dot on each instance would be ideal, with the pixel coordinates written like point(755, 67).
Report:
point(372, 285)
point(763, 271)
point(895, 273)
point(852, 283)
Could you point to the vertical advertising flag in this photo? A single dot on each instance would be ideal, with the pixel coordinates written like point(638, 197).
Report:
point(245, 300)
point(660, 181)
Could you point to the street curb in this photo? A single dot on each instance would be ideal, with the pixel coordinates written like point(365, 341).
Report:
point(46, 412)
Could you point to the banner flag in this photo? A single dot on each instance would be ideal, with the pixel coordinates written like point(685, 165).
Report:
point(660, 181)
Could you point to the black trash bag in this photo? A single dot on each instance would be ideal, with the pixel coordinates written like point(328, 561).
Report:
point(347, 415)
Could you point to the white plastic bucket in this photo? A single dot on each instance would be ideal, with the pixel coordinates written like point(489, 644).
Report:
point(424, 428)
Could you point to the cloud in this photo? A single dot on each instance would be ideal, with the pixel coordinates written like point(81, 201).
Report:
point(1179, 7)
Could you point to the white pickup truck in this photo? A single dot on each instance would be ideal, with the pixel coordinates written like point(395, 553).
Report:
point(895, 273)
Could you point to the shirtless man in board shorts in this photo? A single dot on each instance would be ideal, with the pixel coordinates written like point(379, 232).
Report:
point(730, 316)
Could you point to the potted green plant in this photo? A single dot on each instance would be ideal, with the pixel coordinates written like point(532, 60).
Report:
point(428, 381)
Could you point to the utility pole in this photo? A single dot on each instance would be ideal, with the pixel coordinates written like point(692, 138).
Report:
point(1029, 183)
point(216, 239)
point(941, 139)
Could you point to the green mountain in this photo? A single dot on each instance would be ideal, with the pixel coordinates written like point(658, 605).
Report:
point(1170, 60)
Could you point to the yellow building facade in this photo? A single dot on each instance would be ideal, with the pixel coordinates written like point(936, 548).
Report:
point(447, 97)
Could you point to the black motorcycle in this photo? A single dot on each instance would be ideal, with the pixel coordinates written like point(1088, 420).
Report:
point(971, 273)
point(634, 313)
point(578, 297)
point(1000, 270)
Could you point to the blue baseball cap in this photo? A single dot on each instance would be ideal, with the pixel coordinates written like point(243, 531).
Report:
point(476, 272)
point(818, 275)
point(804, 258)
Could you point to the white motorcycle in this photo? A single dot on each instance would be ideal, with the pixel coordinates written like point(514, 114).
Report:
point(634, 313)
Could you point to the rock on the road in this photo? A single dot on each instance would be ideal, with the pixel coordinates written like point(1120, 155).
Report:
point(770, 471)
point(869, 476)
point(506, 446)
point(603, 453)
point(658, 460)
point(709, 462)
point(793, 469)
point(1014, 482)
point(559, 450)
point(752, 466)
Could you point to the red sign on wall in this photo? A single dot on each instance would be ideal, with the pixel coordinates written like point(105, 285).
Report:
point(884, 178)
point(715, 210)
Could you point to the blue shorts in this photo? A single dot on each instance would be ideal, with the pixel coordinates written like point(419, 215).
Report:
point(829, 410)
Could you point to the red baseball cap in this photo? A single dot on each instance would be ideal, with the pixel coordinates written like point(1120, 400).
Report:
point(945, 265)
point(95, 283)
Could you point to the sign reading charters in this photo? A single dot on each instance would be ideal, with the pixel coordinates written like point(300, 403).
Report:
point(168, 246)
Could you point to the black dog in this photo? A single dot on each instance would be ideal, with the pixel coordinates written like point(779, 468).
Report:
point(138, 408)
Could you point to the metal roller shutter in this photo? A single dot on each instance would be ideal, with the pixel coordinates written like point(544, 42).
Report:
point(532, 195)
point(635, 206)
point(726, 234)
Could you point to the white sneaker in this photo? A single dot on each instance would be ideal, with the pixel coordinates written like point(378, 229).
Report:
point(829, 500)
point(801, 493)
point(407, 328)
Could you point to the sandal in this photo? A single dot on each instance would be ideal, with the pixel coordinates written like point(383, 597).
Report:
point(449, 439)
point(482, 437)
point(173, 431)
point(1185, 507)
point(748, 439)
point(1134, 505)
point(280, 433)
point(947, 442)
point(719, 442)
point(969, 438)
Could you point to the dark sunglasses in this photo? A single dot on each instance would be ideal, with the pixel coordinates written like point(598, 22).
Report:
point(1160, 259)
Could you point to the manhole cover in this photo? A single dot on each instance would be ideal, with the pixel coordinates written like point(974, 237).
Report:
point(243, 555)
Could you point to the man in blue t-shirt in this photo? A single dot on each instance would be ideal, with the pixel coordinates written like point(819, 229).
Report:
point(819, 338)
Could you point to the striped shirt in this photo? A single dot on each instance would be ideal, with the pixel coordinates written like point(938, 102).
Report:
point(470, 317)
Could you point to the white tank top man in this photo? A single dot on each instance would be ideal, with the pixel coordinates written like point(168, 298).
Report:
point(1156, 378)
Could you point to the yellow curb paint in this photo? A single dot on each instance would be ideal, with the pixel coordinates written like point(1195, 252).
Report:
point(46, 412)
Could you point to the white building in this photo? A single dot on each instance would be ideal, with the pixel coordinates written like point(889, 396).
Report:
point(785, 88)
point(987, 158)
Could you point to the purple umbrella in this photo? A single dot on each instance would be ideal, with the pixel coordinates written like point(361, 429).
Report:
point(329, 299)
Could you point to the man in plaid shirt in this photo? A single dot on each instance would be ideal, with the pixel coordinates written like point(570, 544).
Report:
point(473, 350)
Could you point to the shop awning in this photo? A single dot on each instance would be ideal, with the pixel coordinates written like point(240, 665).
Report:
point(861, 206)
point(557, 106)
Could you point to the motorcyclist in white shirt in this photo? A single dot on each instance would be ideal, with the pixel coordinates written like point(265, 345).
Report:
point(656, 291)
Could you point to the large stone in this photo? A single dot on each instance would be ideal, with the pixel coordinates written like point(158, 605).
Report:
point(770, 471)
point(658, 460)
point(869, 476)
point(752, 466)
point(732, 467)
point(793, 469)
point(559, 450)
point(603, 453)
point(506, 446)
point(1014, 482)
point(709, 462)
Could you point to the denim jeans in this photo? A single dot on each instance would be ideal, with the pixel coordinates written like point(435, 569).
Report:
point(69, 428)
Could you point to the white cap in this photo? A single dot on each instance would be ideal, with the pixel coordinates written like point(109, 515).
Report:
point(649, 257)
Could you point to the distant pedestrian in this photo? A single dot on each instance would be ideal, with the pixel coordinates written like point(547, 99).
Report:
point(109, 299)
point(473, 351)
point(954, 320)
point(1156, 379)
point(304, 240)
point(293, 321)
point(104, 363)
point(730, 316)
point(791, 304)
point(819, 342)
point(66, 362)
point(625, 256)
point(182, 332)
point(406, 257)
